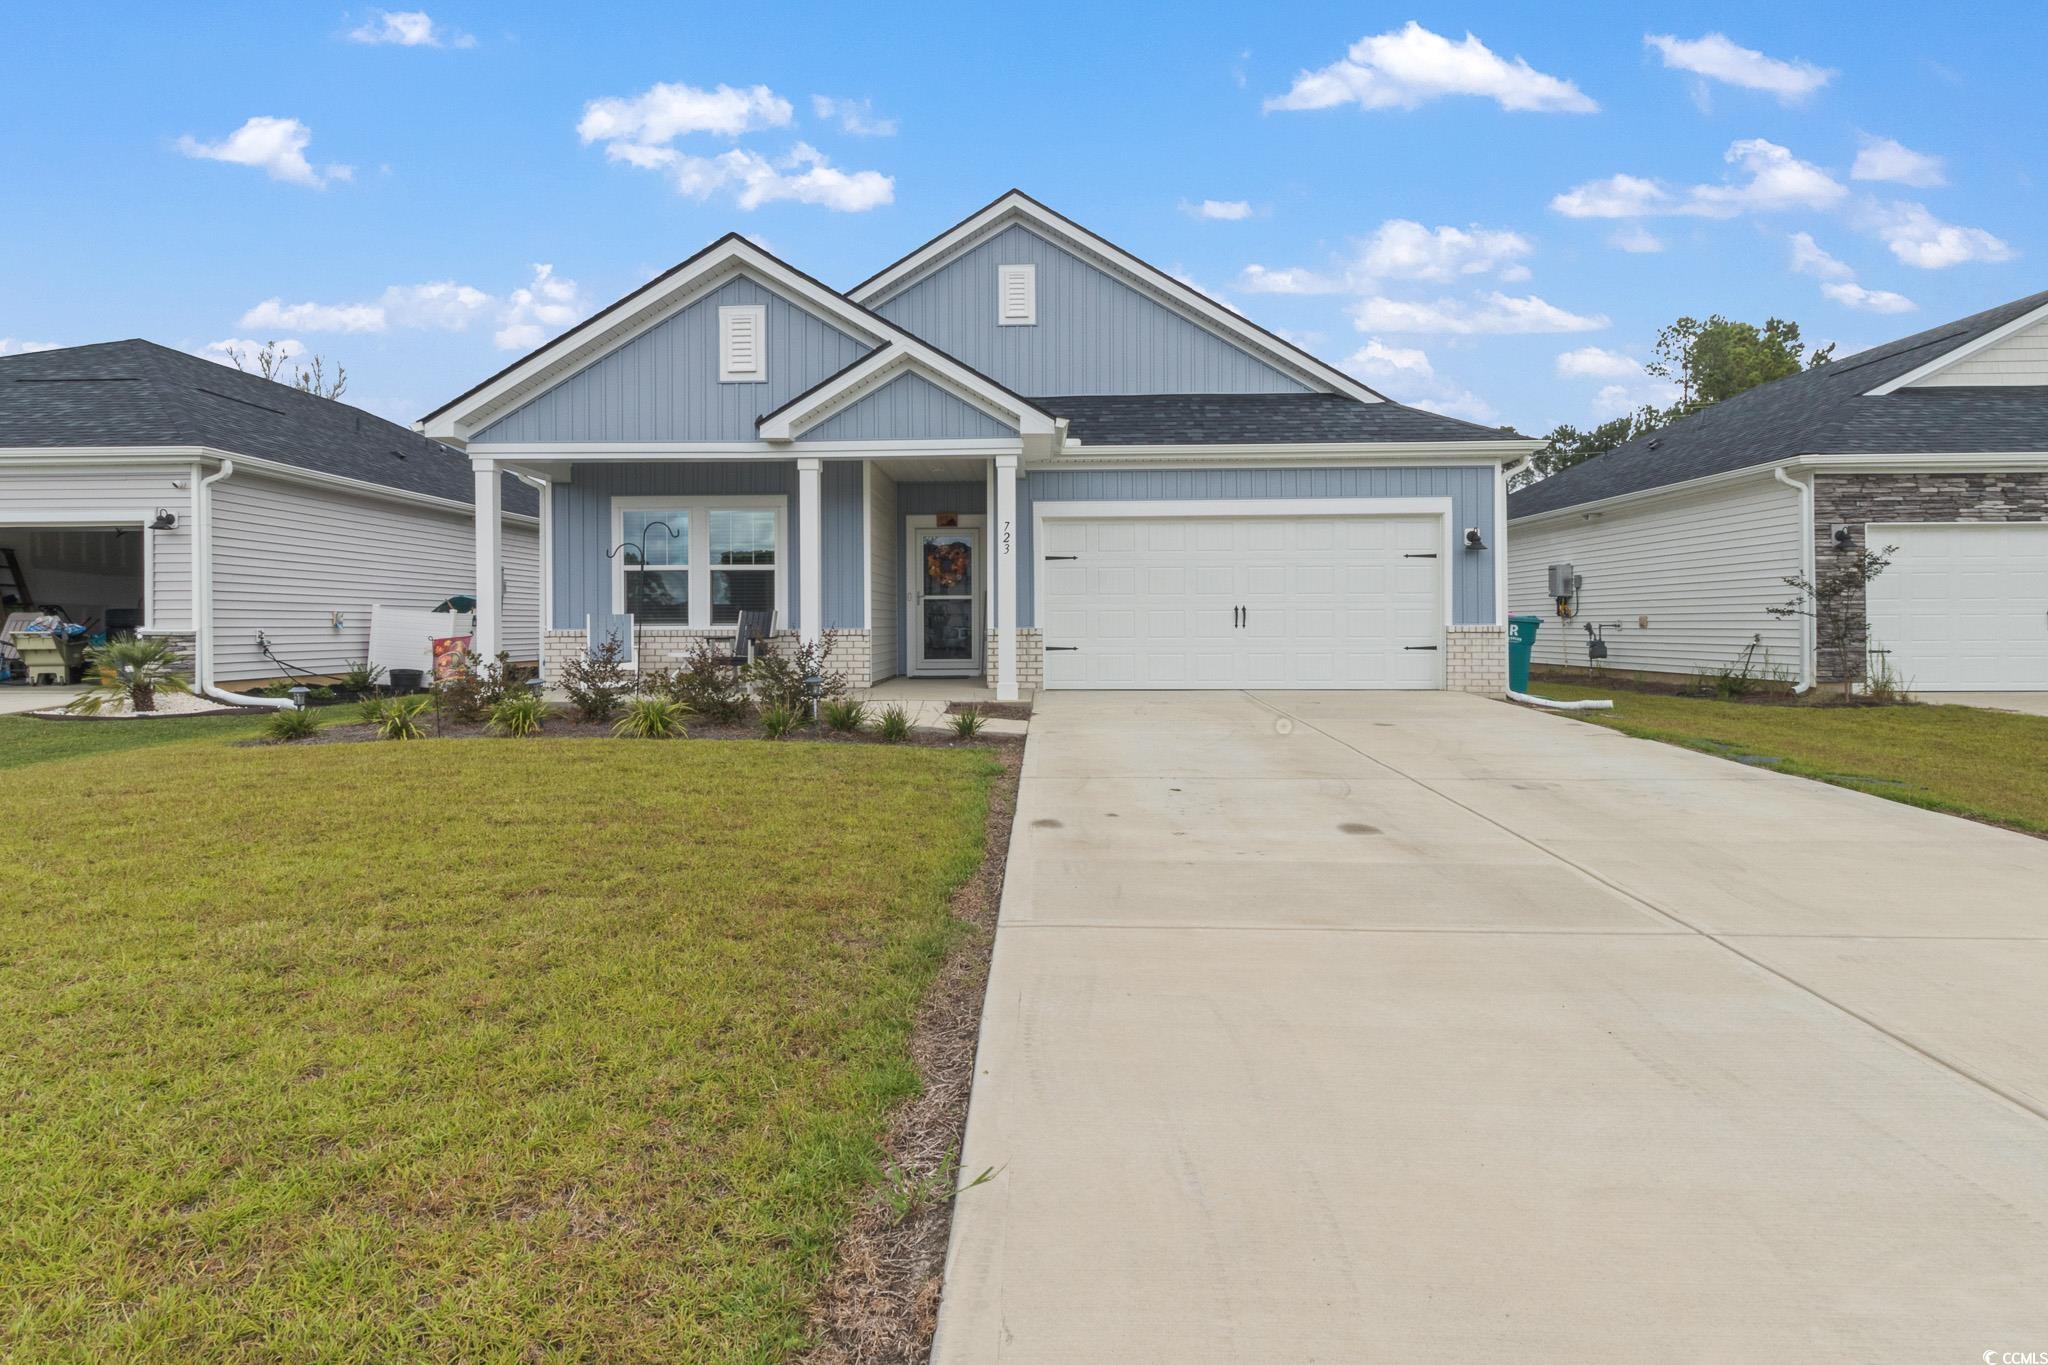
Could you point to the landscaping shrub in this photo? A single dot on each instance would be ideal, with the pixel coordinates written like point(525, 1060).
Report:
point(779, 721)
point(294, 723)
point(370, 710)
point(846, 715)
point(131, 669)
point(777, 678)
point(519, 716)
point(709, 685)
point(401, 717)
point(967, 724)
point(596, 681)
point(359, 677)
point(652, 718)
point(894, 724)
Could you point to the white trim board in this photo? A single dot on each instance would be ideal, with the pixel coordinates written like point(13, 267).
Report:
point(1960, 353)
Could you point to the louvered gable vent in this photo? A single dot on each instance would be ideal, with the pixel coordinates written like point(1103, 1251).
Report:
point(1017, 295)
point(741, 339)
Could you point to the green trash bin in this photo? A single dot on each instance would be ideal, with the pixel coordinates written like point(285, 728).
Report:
point(1521, 643)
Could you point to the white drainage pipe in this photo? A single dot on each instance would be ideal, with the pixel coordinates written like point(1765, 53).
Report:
point(1550, 705)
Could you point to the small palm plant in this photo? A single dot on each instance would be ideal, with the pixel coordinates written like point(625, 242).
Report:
point(130, 669)
point(652, 718)
point(519, 716)
point(894, 725)
point(404, 717)
point(846, 715)
point(777, 722)
point(294, 722)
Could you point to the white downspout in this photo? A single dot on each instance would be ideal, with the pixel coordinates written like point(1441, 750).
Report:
point(1809, 629)
point(202, 601)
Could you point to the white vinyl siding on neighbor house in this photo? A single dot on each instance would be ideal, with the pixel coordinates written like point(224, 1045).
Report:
point(885, 573)
point(116, 496)
point(1702, 567)
point(2021, 358)
point(285, 557)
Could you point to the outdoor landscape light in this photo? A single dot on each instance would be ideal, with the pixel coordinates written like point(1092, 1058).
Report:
point(299, 694)
point(538, 686)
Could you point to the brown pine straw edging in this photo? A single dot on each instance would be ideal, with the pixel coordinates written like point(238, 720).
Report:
point(881, 1301)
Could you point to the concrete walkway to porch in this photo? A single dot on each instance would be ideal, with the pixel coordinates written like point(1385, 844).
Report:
point(926, 699)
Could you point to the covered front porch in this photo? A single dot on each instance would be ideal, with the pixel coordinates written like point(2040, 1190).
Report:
point(905, 565)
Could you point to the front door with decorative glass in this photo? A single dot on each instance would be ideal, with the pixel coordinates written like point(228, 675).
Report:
point(946, 598)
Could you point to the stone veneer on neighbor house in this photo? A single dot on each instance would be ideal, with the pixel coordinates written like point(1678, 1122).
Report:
point(1858, 500)
point(1478, 660)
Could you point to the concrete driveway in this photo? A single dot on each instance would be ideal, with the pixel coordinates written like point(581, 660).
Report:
point(1418, 1026)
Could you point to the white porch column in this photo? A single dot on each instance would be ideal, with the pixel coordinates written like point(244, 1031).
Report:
point(810, 520)
point(1003, 536)
point(490, 531)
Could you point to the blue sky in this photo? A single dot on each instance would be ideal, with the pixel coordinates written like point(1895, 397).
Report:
point(1488, 209)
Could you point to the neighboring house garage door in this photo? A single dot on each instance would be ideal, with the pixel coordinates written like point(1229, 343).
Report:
point(1276, 601)
point(1964, 608)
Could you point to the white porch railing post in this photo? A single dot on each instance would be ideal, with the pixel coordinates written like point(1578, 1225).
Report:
point(1003, 536)
point(810, 520)
point(490, 530)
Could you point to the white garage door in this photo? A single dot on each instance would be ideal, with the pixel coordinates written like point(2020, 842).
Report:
point(1281, 601)
point(1964, 608)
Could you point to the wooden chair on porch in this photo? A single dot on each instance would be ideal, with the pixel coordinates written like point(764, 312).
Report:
point(754, 628)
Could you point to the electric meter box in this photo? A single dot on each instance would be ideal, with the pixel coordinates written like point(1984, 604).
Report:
point(1561, 577)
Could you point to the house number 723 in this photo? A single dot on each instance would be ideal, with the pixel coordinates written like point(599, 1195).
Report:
point(1006, 537)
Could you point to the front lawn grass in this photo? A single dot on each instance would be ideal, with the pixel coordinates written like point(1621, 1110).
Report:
point(36, 739)
point(512, 1050)
point(1988, 765)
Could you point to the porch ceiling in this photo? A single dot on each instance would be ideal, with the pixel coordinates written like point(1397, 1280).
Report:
point(923, 469)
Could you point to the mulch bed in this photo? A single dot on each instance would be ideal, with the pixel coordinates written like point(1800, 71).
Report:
point(563, 726)
point(994, 710)
point(881, 1302)
point(1826, 695)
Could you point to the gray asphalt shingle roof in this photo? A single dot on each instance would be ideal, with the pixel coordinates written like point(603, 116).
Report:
point(1820, 411)
point(1252, 419)
point(137, 393)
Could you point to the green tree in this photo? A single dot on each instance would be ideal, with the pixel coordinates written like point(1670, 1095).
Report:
point(1718, 358)
point(1569, 445)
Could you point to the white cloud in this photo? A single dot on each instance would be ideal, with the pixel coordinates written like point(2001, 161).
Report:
point(1495, 314)
point(1594, 362)
point(1410, 66)
point(1403, 249)
point(224, 350)
point(1920, 239)
point(18, 346)
point(1777, 180)
point(275, 315)
point(407, 28)
point(1717, 58)
point(1852, 295)
point(525, 317)
point(1219, 210)
point(853, 116)
point(664, 112)
point(1617, 400)
point(1376, 360)
point(1883, 159)
point(1636, 239)
point(1259, 279)
point(803, 176)
point(541, 309)
point(1453, 400)
point(276, 145)
point(1809, 258)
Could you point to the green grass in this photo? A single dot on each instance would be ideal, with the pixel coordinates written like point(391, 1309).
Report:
point(1988, 765)
point(517, 1050)
point(34, 739)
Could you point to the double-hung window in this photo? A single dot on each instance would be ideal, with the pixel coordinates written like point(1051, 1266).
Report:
point(699, 562)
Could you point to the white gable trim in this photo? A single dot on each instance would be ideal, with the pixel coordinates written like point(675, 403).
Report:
point(871, 372)
point(1196, 307)
point(1962, 352)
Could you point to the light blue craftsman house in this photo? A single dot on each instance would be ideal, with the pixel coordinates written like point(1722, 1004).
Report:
point(1018, 453)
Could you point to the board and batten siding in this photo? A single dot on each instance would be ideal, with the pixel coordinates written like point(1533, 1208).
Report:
point(2021, 358)
point(583, 528)
point(116, 496)
point(286, 557)
point(663, 384)
point(885, 572)
point(908, 408)
point(1471, 490)
point(1702, 567)
point(1095, 334)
